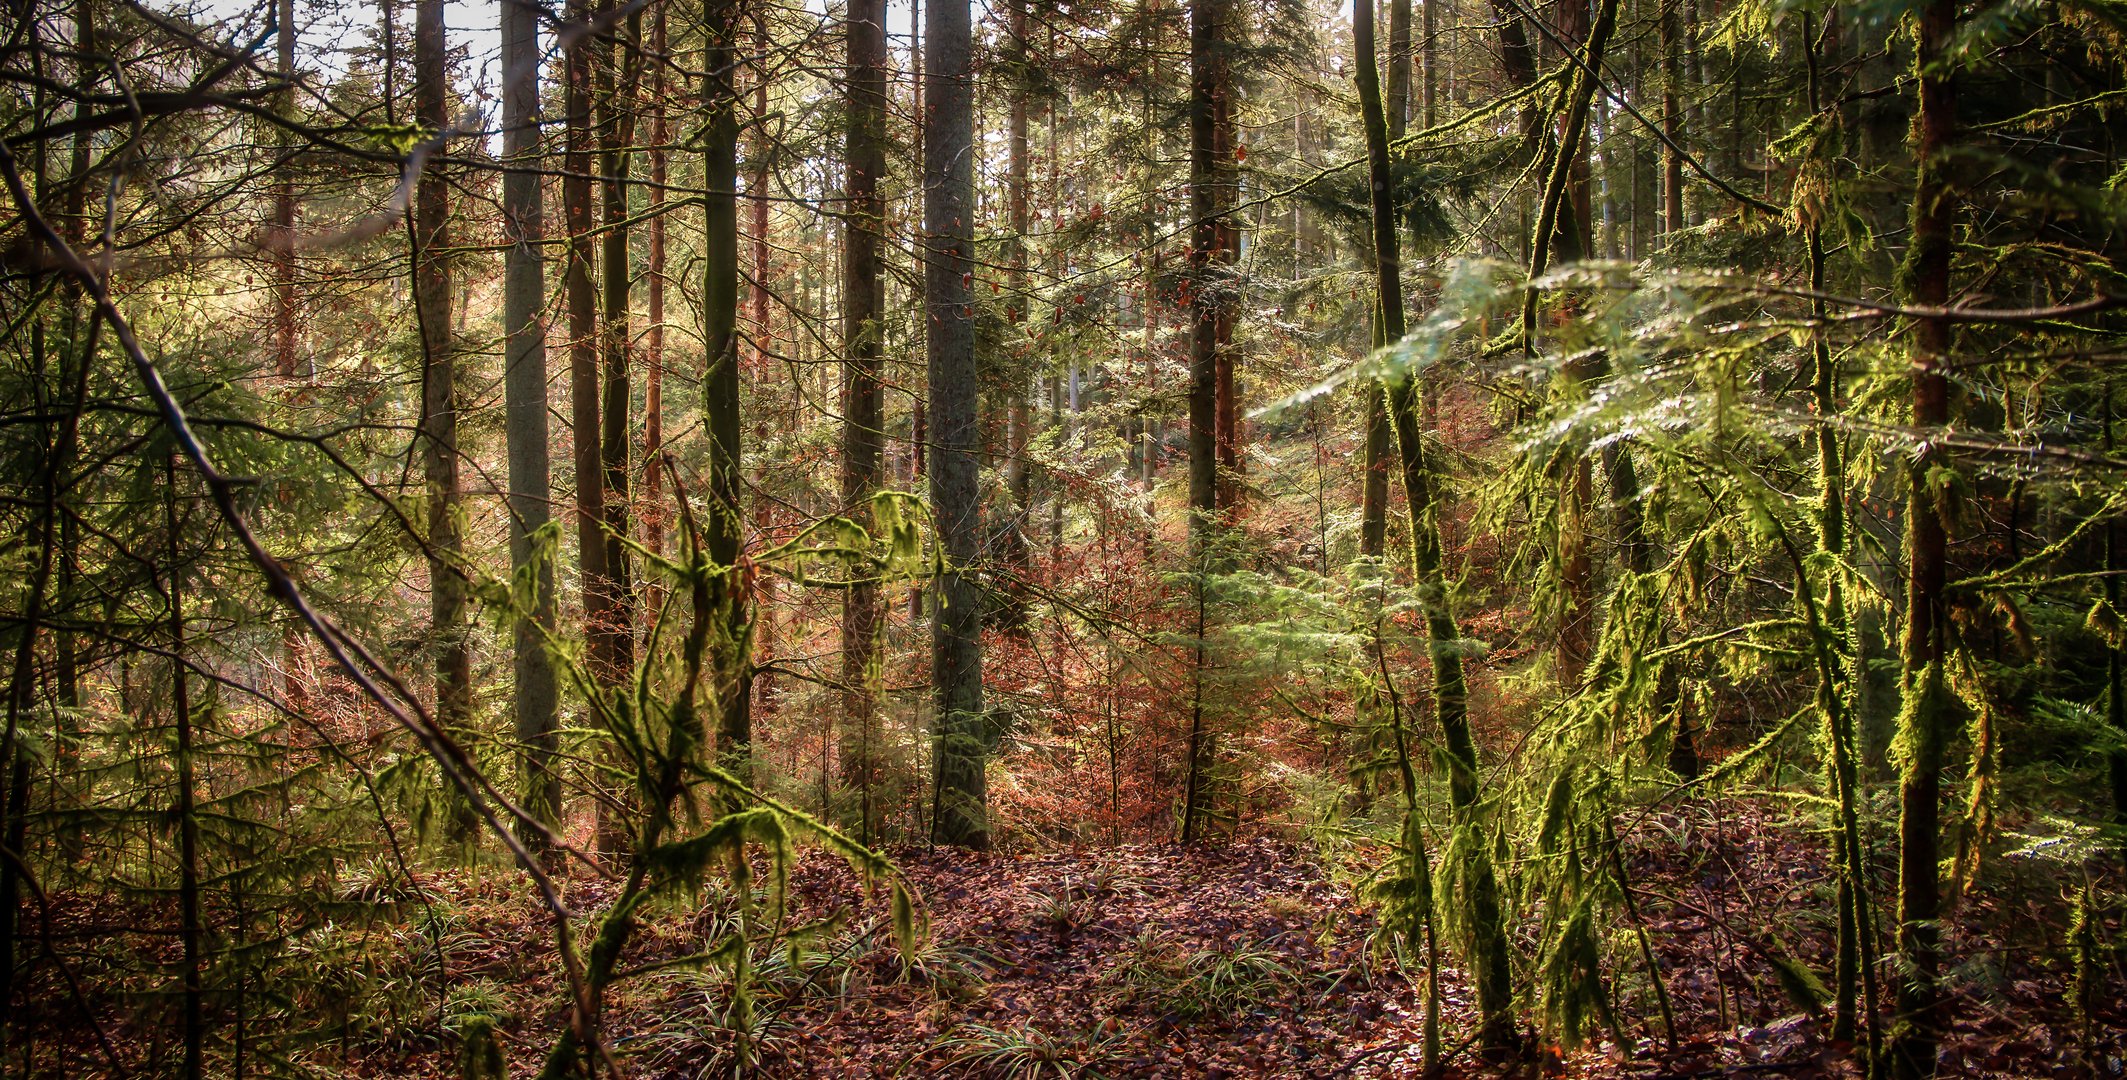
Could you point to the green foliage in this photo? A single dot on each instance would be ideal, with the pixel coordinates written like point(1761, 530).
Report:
point(1024, 1051)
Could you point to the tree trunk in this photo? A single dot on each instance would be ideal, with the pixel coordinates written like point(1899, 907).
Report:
point(1018, 481)
point(1488, 950)
point(1380, 437)
point(439, 398)
point(534, 695)
point(616, 332)
point(1207, 84)
point(283, 235)
point(763, 153)
point(189, 931)
point(959, 814)
point(1925, 717)
point(652, 509)
point(581, 299)
point(732, 663)
point(863, 308)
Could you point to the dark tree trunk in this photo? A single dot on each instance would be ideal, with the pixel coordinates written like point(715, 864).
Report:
point(863, 307)
point(534, 694)
point(725, 528)
point(616, 329)
point(439, 398)
point(1919, 1006)
point(1485, 921)
point(960, 814)
point(1018, 480)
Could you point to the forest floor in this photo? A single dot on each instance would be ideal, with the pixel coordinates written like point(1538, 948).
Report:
point(1243, 958)
point(1251, 958)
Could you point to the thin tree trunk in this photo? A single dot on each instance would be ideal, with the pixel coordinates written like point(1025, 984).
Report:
point(1854, 947)
point(617, 91)
point(1018, 480)
point(534, 694)
point(1207, 83)
point(959, 814)
point(763, 154)
point(1208, 284)
point(188, 918)
point(581, 299)
point(731, 647)
point(1380, 437)
point(1920, 1006)
point(2115, 657)
point(1672, 126)
point(439, 400)
point(1489, 958)
point(652, 513)
point(283, 236)
point(863, 308)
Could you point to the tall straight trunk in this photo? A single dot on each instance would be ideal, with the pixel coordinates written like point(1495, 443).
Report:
point(1019, 414)
point(439, 399)
point(2115, 657)
point(959, 813)
point(1853, 978)
point(283, 241)
point(533, 692)
point(1924, 720)
point(582, 302)
point(757, 296)
point(1672, 125)
point(1207, 284)
point(1380, 436)
point(1429, 54)
point(652, 513)
point(1226, 184)
point(918, 424)
point(1207, 84)
point(617, 82)
point(726, 527)
point(1562, 236)
point(66, 651)
point(863, 344)
point(1487, 942)
point(189, 930)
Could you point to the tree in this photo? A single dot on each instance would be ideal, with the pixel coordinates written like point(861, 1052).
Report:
point(1930, 504)
point(863, 415)
point(534, 692)
point(959, 814)
point(726, 527)
point(439, 394)
point(616, 82)
point(1485, 920)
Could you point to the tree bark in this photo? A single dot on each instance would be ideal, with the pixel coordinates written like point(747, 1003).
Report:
point(534, 695)
point(439, 399)
point(652, 514)
point(863, 308)
point(959, 815)
point(1919, 1006)
point(725, 528)
point(581, 299)
point(617, 82)
point(1019, 415)
point(1207, 84)
point(1487, 942)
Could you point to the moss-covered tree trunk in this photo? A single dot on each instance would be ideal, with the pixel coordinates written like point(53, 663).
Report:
point(1929, 506)
point(1485, 919)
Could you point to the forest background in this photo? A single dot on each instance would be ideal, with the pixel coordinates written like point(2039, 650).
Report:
point(1588, 533)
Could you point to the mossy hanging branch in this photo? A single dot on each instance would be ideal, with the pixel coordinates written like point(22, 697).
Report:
point(677, 782)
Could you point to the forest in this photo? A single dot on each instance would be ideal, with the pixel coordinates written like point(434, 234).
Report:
point(1063, 538)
